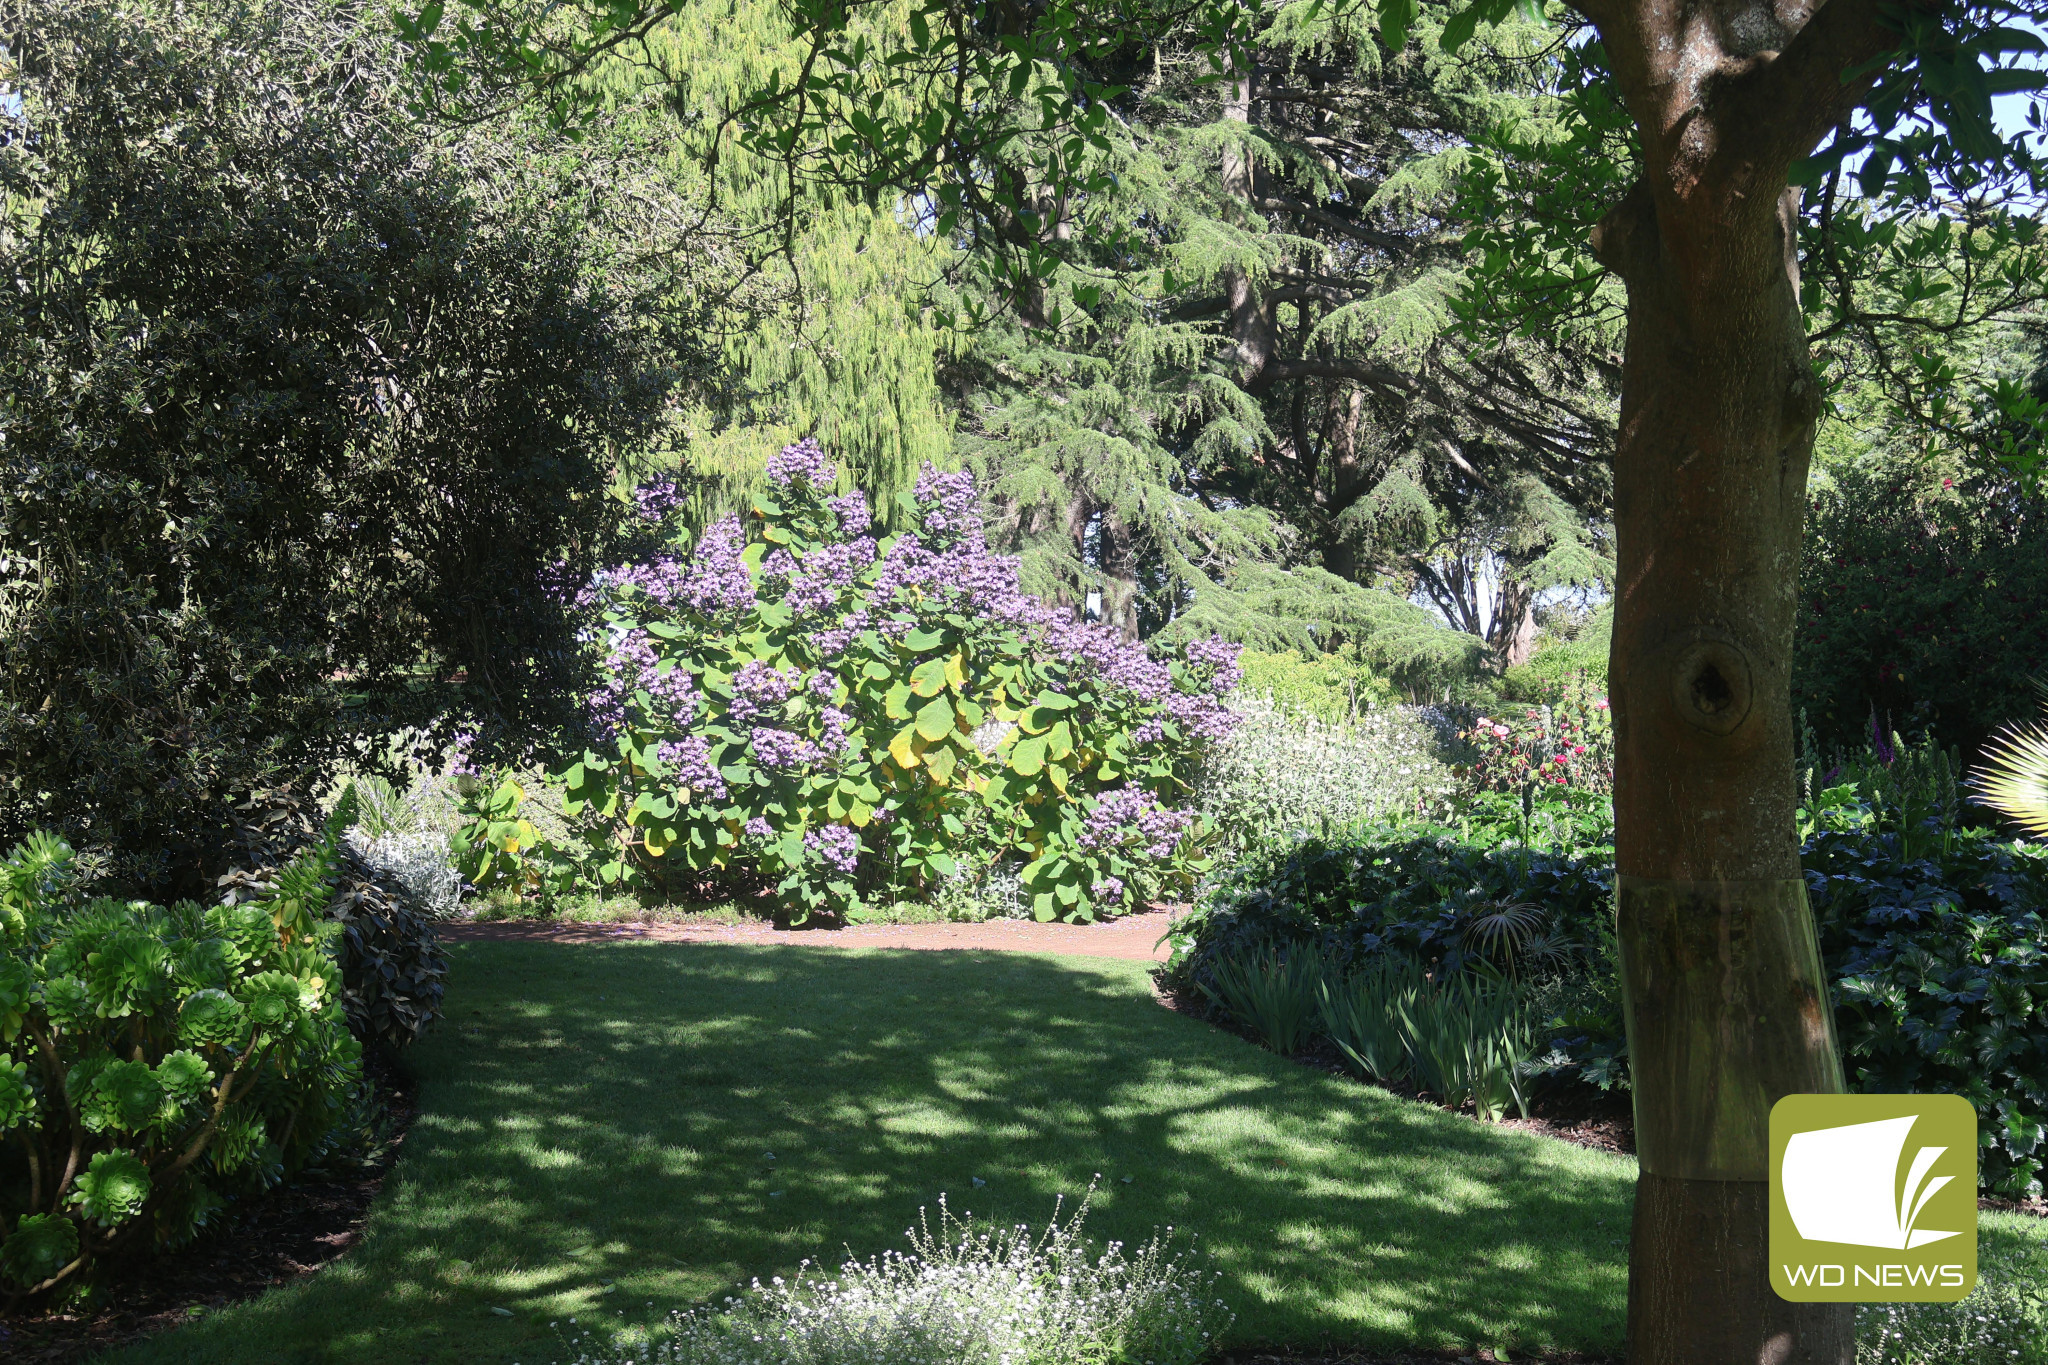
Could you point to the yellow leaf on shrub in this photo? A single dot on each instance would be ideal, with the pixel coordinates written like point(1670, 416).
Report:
point(900, 747)
point(956, 670)
point(939, 763)
point(928, 679)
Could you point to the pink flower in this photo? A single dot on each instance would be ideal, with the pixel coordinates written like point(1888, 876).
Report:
point(1600, 705)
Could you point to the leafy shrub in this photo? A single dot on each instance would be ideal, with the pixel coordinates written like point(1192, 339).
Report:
point(1283, 770)
point(392, 961)
point(801, 702)
point(1333, 688)
point(1419, 892)
point(293, 421)
point(1924, 599)
point(2004, 1321)
point(406, 836)
point(1941, 979)
point(1932, 939)
point(417, 862)
point(157, 1060)
point(965, 1295)
point(394, 968)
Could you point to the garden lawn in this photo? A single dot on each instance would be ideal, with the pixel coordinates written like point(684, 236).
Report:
point(596, 1122)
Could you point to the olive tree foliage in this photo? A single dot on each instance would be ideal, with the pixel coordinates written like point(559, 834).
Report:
point(304, 406)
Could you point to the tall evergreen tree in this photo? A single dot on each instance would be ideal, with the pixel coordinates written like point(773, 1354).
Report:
point(1279, 338)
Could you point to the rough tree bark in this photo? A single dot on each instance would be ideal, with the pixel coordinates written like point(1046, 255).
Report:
point(1727, 1008)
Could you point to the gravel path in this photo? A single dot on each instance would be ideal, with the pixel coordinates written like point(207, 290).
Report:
point(1133, 938)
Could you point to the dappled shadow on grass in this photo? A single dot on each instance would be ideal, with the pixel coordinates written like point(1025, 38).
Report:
point(604, 1114)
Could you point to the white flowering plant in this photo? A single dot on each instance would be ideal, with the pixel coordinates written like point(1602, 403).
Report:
point(1285, 771)
point(963, 1294)
point(2004, 1321)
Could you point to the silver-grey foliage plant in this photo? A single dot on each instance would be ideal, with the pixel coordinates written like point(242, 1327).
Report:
point(1284, 770)
point(964, 1294)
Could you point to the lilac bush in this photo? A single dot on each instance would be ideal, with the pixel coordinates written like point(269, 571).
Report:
point(797, 697)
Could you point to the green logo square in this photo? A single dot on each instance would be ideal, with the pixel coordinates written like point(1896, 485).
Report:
point(1873, 1198)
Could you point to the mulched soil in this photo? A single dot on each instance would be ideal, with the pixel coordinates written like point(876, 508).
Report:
point(291, 1232)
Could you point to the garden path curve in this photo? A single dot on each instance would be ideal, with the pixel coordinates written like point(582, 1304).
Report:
point(1133, 938)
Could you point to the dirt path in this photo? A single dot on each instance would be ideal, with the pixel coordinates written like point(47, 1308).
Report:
point(1133, 938)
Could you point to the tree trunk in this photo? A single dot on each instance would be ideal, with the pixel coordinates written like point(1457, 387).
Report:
point(1513, 635)
point(1727, 1009)
point(1726, 1005)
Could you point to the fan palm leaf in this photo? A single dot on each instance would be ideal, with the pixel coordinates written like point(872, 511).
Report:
point(2014, 779)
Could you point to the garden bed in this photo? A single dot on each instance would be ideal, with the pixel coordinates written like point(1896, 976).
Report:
point(259, 1246)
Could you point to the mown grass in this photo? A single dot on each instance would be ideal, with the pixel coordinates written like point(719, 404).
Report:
point(601, 1116)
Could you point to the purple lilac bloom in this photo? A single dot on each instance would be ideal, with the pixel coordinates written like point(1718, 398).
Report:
point(805, 460)
point(759, 828)
point(1108, 891)
point(688, 761)
point(1216, 659)
point(834, 642)
point(822, 684)
point(838, 845)
point(840, 731)
point(827, 571)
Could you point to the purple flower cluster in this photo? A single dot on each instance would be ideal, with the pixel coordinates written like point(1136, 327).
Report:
point(1128, 811)
point(838, 845)
point(759, 828)
point(758, 690)
point(460, 764)
point(805, 460)
point(852, 510)
point(784, 749)
point(827, 572)
point(1108, 891)
point(718, 579)
point(655, 500)
point(834, 641)
point(689, 764)
point(840, 732)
